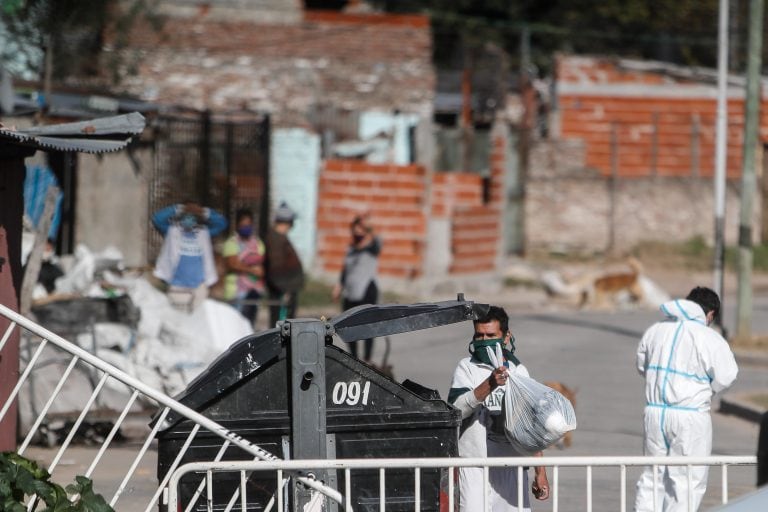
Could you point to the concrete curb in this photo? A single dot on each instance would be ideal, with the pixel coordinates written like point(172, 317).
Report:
point(738, 405)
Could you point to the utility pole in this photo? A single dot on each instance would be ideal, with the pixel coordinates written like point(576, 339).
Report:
point(748, 179)
point(721, 149)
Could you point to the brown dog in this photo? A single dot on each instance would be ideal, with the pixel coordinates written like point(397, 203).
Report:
point(570, 395)
point(601, 293)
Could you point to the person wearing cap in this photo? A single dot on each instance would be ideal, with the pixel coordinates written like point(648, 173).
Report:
point(284, 273)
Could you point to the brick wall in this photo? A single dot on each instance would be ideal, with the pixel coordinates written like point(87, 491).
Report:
point(474, 240)
point(475, 228)
point(647, 119)
point(396, 197)
point(569, 208)
point(353, 62)
point(455, 190)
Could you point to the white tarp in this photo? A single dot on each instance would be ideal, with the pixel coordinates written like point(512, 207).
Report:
point(166, 350)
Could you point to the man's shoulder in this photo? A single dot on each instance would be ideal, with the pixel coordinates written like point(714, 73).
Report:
point(661, 325)
point(464, 362)
point(468, 364)
point(708, 332)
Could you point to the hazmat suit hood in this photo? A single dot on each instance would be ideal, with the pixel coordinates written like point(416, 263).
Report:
point(684, 361)
point(681, 310)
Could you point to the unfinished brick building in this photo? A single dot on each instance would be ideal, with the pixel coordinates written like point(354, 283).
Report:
point(333, 82)
point(631, 157)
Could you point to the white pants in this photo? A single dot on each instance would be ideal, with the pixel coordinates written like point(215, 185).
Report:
point(502, 485)
point(674, 432)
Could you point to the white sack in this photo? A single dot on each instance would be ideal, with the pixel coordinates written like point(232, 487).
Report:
point(535, 416)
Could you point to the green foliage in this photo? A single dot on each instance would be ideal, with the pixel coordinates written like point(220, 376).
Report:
point(315, 294)
point(759, 258)
point(21, 479)
point(11, 6)
point(73, 31)
point(696, 247)
point(681, 31)
point(696, 254)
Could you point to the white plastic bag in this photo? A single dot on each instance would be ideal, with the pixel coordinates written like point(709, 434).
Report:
point(535, 416)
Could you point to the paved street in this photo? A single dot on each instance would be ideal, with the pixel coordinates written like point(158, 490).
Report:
point(593, 352)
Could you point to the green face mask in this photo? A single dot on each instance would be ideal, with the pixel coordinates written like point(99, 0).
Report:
point(478, 349)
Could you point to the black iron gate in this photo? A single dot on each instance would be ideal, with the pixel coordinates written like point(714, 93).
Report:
point(218, 160)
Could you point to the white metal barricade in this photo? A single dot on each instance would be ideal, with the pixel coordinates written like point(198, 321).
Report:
point(102, 373)
point(207, 471)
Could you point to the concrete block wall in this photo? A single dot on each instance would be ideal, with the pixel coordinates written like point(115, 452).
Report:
point(571, 208)
point(112, 198)
point(633, 159)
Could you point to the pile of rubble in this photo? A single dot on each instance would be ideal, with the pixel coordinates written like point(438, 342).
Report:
point(126, 320)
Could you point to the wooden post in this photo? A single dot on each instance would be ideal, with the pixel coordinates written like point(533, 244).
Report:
point(12, 173)
point(35, 260)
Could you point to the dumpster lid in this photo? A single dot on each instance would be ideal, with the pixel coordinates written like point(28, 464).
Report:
point(251, 353)
point(370, 321)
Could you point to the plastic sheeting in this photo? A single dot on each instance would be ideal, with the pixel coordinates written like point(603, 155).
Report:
point(165, 347)
point(37, 181)
point(536, 416)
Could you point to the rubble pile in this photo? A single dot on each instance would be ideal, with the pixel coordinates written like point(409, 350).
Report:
point(126, 320)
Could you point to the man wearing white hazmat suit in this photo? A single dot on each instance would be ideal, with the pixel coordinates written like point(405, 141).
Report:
point(684, 363)
point(477, 390)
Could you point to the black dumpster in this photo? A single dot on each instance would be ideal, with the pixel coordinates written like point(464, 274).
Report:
point(367, 415)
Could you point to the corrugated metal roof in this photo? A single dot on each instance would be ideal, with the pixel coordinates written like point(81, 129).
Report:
point(94, 136)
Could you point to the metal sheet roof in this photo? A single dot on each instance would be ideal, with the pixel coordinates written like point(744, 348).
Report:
point(94, 136)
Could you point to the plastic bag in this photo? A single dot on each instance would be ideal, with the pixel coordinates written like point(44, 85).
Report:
point(535, 416)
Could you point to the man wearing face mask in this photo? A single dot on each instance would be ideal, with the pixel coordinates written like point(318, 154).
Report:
point(185, 261)
point(684, 363)
point(477, 391)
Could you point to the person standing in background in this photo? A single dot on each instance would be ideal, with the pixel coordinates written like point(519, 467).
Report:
point(284, 273)
point(185, 261)
point(244, 254)
point(357, 285)
point(684, 363)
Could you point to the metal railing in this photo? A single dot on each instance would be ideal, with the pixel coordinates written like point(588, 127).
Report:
point(102, 373)
point(245, 468)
